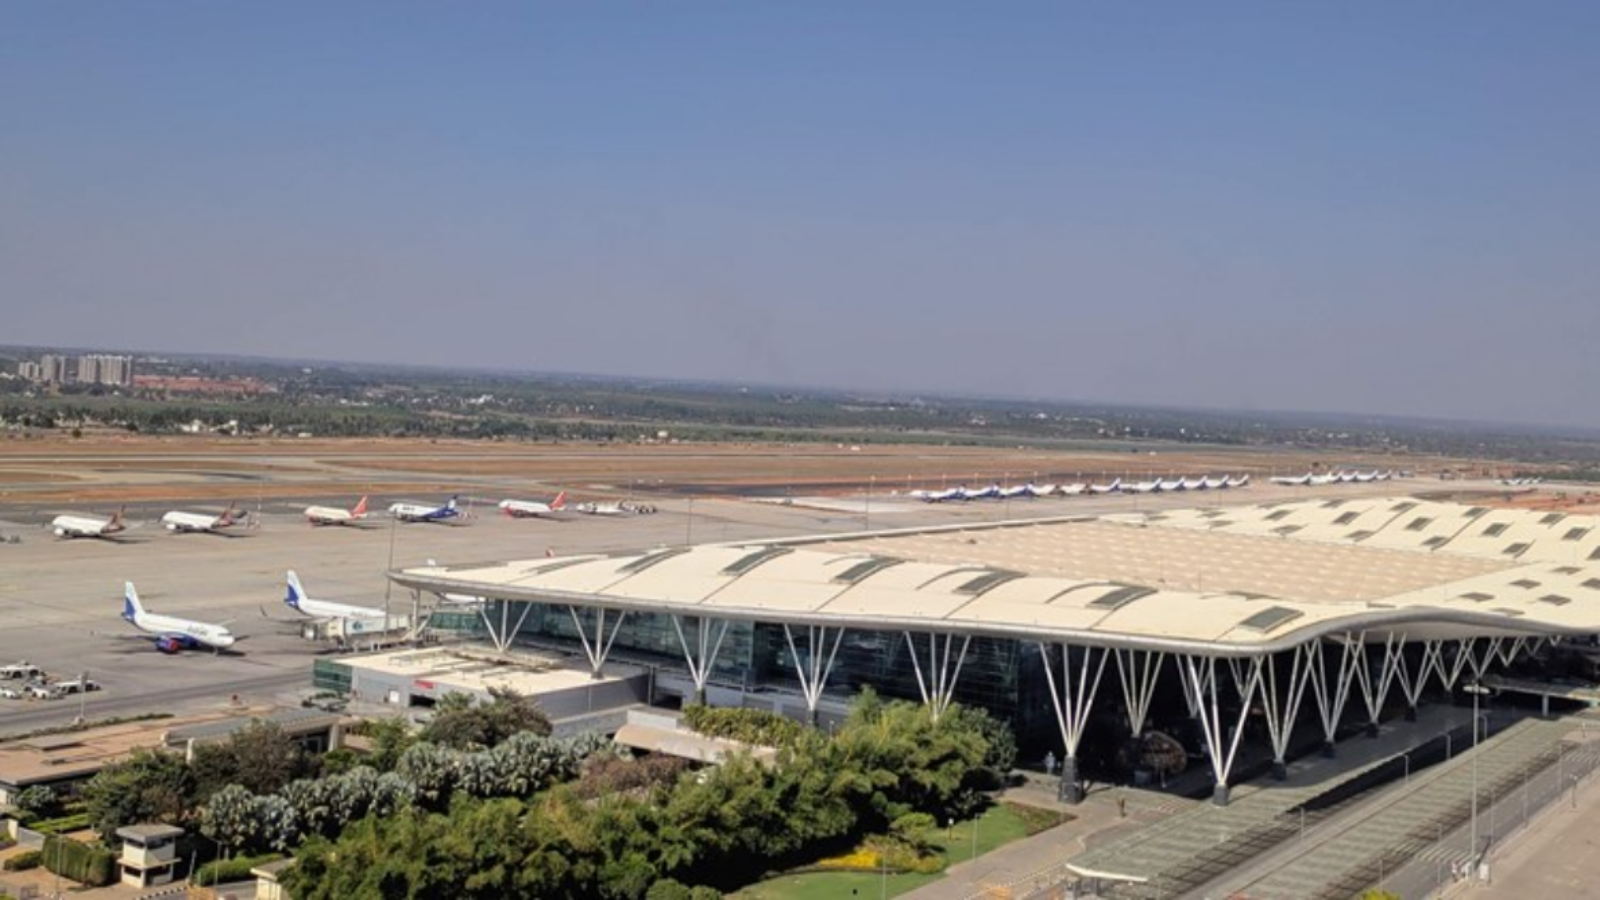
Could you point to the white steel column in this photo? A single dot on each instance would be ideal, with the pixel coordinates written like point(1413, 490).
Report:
point(503, 639)
point(1373, 693)
point(1192, 690)
point(1480, 662)
point(939, 687)
point(599, 648)
point(813, 671)
point(1331, 698)
point(1211, 719)
point(700, 662)
point(1138, 670)
point(1411, 685)
point(1283, 706)
point(1072, 709)
point(1450, 674)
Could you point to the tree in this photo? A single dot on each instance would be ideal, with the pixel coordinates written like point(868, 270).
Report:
point(460, 723)
point(37, 802)
point(150, 786)
point(261, 757)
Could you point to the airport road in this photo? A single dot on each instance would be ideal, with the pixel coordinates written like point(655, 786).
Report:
point(60, 599)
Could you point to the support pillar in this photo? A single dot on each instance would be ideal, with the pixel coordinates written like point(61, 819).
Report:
point(507, 633)
point(1331, 697)
point(1072, 704)
point(599, 648)
point(1375, 690)
point(701, 662)
point(1138, 670)
point(1281, 702)
point(1411, 685)
point(1222, 749)
point(939, 687)
point(814, 669)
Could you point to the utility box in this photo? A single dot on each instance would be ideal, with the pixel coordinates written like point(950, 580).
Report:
point(149, 854)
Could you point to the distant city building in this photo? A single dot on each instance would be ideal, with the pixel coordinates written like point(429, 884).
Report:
point(99, 368)
point(53, 368)
point(30, 371)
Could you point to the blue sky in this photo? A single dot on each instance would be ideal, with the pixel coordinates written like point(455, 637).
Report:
point(1373, 208)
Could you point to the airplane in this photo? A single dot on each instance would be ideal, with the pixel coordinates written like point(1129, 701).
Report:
point(1294, 480)
point(955, 493)
point(297, 600)
point(992, 492)
point(1215, 484)
point(1020, 490)
point(171, 634)
point(1195, 484)
point(624, 508)
point(1111, 488)
point(1232, 482)
point(332, 515)
point(198, 522)
point(1176, 484)
point(1320, 480)
point(522, 509)
point(419, 512)
point(1073, 490)
point(1142, 487)
point(70, 526)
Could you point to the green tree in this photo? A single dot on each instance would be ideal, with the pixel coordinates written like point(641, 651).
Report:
point(460, 723)
point(261, 757)
point(150, 786)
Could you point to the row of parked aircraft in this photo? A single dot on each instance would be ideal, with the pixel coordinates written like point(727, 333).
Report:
point(1522, 482)
point(171, 634)
point(1316, 479)
point(1118, 486)
point(84, 526)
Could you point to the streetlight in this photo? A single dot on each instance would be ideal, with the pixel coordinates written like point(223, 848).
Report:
point(1475, 690)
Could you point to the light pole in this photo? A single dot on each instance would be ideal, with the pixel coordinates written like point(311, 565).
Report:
point(1475, 690)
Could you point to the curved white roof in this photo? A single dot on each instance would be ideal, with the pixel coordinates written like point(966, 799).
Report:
point(1231, 581)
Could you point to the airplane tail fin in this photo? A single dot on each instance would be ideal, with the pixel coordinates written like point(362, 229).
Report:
point(116, 519)
point(227, 517)
point(560, 502)
point(131, 607)
point(361, 509)
point(296, 592)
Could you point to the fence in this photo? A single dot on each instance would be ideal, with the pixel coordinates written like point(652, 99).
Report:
point(1421, 869)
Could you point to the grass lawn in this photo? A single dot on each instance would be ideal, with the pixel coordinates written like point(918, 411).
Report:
point(999, 824)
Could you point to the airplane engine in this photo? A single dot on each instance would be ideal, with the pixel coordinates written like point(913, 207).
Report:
point(172, 526)
point(61, 532)
point(169, 645)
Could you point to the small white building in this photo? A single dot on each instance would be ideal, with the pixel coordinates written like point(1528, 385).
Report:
point(149, 854)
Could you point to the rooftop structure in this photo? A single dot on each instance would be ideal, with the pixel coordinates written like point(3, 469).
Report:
point(1316, 596)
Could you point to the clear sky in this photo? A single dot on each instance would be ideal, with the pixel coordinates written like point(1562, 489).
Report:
point(1388, 207)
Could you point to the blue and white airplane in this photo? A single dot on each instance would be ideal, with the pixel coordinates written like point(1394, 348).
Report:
point(421, 512)
point(297, 600)
point(172, 634)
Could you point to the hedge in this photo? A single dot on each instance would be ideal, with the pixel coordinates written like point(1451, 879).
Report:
point(93, 866)
point(62, 824)
point(223, 871)
point(28, 859)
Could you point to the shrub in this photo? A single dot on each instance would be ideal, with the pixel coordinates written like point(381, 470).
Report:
point(747, 726)
point(28, 859)
point(668, 889)
point(62, 825)
point(223, 871)
point(91, 865)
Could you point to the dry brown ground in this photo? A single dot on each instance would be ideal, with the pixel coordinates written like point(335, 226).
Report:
point(426, 466)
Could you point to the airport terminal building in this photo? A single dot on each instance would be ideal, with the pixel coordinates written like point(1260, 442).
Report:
point(1237, 632)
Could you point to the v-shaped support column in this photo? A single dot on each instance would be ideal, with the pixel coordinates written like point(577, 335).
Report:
point(1072, 703)
point(939, 686)
point(1221, 747)
point(700, 662)
point(814, 669)
point(597, 649)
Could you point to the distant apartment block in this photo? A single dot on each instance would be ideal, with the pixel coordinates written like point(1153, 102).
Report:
point(94, 368)
point(98, 368)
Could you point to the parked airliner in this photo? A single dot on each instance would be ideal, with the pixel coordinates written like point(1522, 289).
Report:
point(421, 512)
point(522, 509)
point(333, 515)
point(297, 600)
point(70, 526)
point(198, 522)
point(172, 634)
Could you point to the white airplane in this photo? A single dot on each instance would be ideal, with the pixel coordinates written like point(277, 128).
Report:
point(624, 508)
point(955, 493)
point(1111, 488)
point(1215, 484)
point(197, 522)
point(992, 492)
point(1324, 479)
point(421, 512)
point(522, 509)
point(70, 526)
point(1167, 487)
point(172, 634)
point(1074, 489)
point(1020, 490)
point(1195, 484)
point(297, 600)
point(1294, 480)
point(1142, 487)
point(333, 515)
point(1232, 482)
